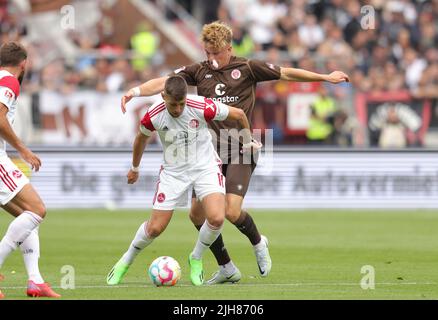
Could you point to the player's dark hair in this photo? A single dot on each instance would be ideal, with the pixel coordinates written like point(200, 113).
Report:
point(176, 87)
point(12, 54)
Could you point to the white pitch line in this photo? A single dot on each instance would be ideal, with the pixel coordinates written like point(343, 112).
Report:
point(246, 285)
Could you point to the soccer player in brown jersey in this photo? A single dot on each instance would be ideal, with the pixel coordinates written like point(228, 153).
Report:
point(232, 80)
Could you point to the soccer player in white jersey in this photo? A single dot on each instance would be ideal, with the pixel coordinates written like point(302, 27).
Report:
point(17, 196)
point(190, 160)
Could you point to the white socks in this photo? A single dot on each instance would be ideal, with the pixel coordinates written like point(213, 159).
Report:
point(207, 235)
point(19, 229)
point(31, 254)
point(228, 269)
point(141, 241)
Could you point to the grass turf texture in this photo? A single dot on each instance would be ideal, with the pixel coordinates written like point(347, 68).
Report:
point(316, 255)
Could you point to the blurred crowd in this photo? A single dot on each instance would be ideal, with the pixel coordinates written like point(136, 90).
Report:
point(388, 46)
point(384, 46)
point(97, 64)
point(393, 47)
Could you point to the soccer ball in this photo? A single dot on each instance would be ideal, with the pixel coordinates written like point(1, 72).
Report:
point(164, 271)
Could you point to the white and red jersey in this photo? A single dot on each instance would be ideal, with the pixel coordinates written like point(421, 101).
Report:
point(186, 140)
point(9, 92)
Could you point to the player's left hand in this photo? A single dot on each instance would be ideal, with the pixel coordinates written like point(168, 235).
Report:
point(337, 77)
point(132, 177)
point(125, 99)
point(31, 158)
point(252, 146)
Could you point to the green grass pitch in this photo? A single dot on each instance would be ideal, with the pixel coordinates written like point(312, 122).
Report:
point(316, 255)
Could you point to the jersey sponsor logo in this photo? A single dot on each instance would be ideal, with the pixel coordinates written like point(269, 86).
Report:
point(161, 197)
point(208, 76)
point(236, 74)
point(17, 174)
point(219, 89)
point(179, 70)
point(226, 99)
point(270, 65)
point(194, 123)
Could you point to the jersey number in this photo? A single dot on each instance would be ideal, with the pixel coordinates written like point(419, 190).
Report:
point(220, 177)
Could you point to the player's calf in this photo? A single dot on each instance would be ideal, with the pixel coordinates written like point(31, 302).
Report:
point(29, 200)
point(36, 208)
point(19, 229)
point(39, 209)
point(158, 222)
point(154, 230)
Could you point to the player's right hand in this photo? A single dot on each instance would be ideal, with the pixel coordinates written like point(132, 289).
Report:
point(125, 99)
point(31, 158)
point(132, 177)
point(252, 146)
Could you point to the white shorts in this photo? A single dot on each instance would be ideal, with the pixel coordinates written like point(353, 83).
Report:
point(12, 180)
point(173, 191)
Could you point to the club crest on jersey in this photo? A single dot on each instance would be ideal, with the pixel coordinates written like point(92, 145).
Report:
point(17, 174)
point(194, 123)
point(161, 197)
point(9, 94)
point(235, 74)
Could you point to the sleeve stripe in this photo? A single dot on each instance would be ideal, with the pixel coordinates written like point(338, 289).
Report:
point(157, 109)
point(189, 104)
point(201, 104)
point(154, 112)
point(147, 123)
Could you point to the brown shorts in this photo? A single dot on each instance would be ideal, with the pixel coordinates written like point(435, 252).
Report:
point(237, 177)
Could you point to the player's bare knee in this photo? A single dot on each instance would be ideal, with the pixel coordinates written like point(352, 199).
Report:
point(216, 221)
point(39, 209)
point(232, 214)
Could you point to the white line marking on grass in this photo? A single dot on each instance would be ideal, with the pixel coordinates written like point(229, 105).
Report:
point(340, 284)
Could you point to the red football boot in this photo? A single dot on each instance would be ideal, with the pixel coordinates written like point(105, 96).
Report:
point(40, 290)
point(1, 294)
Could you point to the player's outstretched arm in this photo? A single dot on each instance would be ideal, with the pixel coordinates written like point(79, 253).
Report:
point(301, 75)
point(240, 116)
point(7, 133)
point(149, 88)
point(140, 143)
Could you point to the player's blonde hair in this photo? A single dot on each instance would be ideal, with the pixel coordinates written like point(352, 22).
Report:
point(217, 34)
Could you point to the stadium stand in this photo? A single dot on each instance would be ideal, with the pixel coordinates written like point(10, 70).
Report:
point(393, 64)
